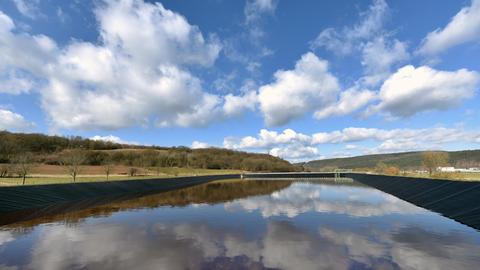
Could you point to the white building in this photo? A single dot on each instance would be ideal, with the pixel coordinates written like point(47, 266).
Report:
point(453, 169)
point(446, 169)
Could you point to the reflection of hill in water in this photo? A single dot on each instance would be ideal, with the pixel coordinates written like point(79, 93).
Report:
point(210, 193)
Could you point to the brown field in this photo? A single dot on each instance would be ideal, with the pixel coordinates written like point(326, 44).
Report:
point(43, 169)
point(50, 174)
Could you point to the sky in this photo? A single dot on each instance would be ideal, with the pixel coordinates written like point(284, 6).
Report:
point(301, 80)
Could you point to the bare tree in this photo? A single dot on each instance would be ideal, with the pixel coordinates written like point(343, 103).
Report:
point(107, 168)
point(72, 161)
point(4, 170)
point(142, 161)
point(433, 160)
point(157, 170)
point(132, 171)
point(23, 165)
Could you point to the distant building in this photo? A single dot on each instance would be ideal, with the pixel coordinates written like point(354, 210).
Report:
point(446, 169)
point(453, 169)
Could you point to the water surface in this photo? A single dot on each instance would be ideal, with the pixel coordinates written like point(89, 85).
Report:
point(245, 225)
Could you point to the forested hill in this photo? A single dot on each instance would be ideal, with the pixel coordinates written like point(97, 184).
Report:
point(45, 149)
point(400, 160)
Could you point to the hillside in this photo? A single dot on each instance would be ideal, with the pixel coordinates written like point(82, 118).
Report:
point(53, 150)
point(402, 160)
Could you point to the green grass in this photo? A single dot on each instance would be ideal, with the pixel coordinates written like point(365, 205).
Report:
point(458, 176)
point(455, 176)
point(190, 171)
point(65, 179)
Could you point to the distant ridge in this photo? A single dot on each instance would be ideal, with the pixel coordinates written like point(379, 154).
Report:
point(401, 160)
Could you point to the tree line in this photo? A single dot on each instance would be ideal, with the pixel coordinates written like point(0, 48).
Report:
point(18, 151)
point(15, 143)
point(431, 160)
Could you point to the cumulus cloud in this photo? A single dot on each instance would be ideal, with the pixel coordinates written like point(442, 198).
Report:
point(138, 72)
point(13, 121)
point(395, 140)
point(236, 105)
point(297, 146)
point(266, 139)
point(379, 54)
point(31, 53)
point(463, 27)
point(111, 138)
point(199, 145)
point(308, 87)
point(14, 82)
point(296, 153)
point(153, 35)
point(288, 144)
point(349, 101)
point(412, 90)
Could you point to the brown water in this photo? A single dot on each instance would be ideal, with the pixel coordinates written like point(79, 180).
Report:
point(245, 225)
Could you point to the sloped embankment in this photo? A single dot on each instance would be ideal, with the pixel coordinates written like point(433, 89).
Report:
point(30, 198)
point(458, 200)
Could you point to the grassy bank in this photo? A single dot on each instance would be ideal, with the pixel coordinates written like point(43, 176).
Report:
point(90, 176)
point(455, 176)
point(460, 176)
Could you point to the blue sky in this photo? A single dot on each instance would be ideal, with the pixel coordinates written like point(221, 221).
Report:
point(298, 79)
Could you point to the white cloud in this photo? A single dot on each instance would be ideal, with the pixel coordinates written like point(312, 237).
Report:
point(153, 35)
point(379, 52)
point(422, 138)
point(295, 146)
point(136, 74)
point(308, 87)
point(351, 146)
point(5, 237)
point(199, 145)
point(267, 139)
point(27, 8)
point(296, 153)
point(350, 38)
point(378, 56)
point(236, 105)
point(13, 121)
point(111, 138)
point(463, 27)
point(301, 198)
point(350, 100)
point(412, 90)
point(26, 52)
point(15, 83)
point(254, 9)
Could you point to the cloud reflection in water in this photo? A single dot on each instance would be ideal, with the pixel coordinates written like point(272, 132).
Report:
point(147, 240)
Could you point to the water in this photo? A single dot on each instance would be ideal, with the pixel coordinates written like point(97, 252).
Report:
point(245, 225)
